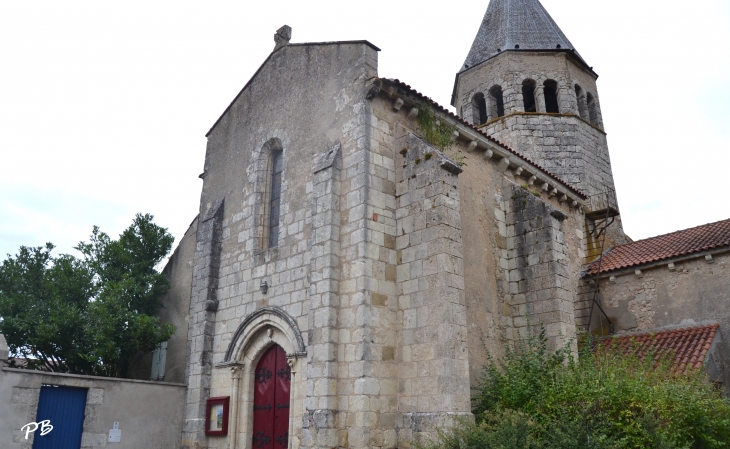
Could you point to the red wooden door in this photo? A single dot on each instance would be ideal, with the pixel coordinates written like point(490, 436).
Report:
point(271, 401)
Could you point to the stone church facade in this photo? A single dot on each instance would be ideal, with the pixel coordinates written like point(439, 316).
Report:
point(377, 261)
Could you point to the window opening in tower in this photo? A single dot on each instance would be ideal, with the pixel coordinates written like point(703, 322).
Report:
point(528, 95)
point(551, 96)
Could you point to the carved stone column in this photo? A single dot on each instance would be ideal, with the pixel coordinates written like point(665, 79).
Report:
point(233, 424)
point(540, 99)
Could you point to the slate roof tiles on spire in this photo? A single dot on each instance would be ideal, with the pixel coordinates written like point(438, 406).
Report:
point(516, 24)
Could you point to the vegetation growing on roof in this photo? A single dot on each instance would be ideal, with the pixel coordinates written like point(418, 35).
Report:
point(435, 132)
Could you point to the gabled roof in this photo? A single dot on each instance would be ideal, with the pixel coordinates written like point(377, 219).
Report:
point(667, 246)
point(414, 93)
point(516, 25)
point(304, 44)
point(687, 347)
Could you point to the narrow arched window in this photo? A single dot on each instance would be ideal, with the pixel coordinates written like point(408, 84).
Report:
point(582, 107)
point(277, 167)
point(592, 109)
point(528, 95)
point(551, 96)
point(480, 106)
point(497, 101)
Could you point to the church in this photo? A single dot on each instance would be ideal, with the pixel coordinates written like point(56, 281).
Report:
point(359, 249)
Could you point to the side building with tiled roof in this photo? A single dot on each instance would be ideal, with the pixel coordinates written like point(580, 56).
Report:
point(674, 281)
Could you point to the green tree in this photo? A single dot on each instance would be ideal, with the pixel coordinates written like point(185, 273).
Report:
point(89, 315)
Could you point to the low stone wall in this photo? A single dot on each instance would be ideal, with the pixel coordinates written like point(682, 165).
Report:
point(150, 414)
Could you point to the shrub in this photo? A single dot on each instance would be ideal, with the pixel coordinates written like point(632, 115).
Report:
point(536, 398)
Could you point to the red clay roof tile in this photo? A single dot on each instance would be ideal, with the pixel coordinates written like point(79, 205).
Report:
point(687, 347)
point(679, 243)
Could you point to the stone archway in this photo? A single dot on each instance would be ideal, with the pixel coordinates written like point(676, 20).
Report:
point(261, 332)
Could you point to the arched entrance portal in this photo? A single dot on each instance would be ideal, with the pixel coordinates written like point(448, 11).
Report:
point(271, 400)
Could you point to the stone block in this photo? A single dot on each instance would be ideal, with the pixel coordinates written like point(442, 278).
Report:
point(95, 396)
point(93, 440)
point(4, 351)
point(25, 396)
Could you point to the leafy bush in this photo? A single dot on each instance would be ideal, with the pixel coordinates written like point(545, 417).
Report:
point(535, 398)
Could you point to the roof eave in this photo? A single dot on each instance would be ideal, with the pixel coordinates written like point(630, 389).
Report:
point(656, 263)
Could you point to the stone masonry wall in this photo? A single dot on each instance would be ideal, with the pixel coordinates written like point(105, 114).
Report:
point(433, 373)
point(201, 330)
point(303, 100)
point(325, 265)
point(150, 414)
point(367, 384)
point(485, 195)
point(563, 144)
point(692, 291)
point(566, 144)
point(539, 276)
point(510, 69)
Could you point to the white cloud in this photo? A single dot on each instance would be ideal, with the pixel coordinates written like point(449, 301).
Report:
point(106, 104)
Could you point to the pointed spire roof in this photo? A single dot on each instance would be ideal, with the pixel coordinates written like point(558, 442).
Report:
point(516, 25)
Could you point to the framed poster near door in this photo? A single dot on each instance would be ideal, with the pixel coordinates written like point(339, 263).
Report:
point(216, 417)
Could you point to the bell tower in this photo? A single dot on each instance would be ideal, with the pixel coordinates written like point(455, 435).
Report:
point(524, 83)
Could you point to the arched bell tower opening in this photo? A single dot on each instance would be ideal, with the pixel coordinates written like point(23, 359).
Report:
point(551, 97)
point(592, 109)
point(497, 101)
point(480, 106)
point(528, 95)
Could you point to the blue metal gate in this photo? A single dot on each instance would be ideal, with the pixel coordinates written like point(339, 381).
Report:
point(64, 407)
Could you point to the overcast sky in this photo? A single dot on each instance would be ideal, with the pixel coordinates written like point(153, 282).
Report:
point(104, 105)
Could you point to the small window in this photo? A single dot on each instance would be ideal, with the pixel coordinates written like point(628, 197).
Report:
point(275, 204)
point(592, 109)
point(528, 95)
point(582, 107)
point(497, 101)
point(159, 358)
point(480, 104)
point(551, 96)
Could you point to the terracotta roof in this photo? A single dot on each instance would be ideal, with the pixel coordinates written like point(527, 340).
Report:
point(679, 243)
point(687, 347)
point(445, 111)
